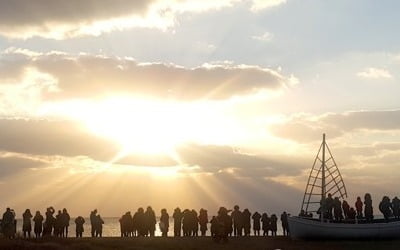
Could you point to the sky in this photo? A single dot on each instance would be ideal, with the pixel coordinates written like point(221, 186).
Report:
point(117, 104)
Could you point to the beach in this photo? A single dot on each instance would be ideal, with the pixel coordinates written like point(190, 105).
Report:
point(199, 243)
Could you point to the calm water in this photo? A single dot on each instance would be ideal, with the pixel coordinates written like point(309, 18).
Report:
point(111, 228)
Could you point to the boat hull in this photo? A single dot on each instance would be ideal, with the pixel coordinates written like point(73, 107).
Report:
point(302, 228)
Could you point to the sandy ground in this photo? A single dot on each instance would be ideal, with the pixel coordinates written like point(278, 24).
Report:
point(193, 244)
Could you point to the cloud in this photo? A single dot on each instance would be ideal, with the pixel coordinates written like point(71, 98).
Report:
point(258, 5)
point(211, 158)
point(375, 73)
point(305, 128)
point(62, 19)
point(11, 165)
point(87, 76)
point(45, 137)
point(266, 37)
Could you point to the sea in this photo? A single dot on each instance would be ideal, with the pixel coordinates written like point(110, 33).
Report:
point(111, 228)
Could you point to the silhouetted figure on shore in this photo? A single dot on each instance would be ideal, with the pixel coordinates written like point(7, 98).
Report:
point(246, 217)
point(79, 221)
point(186, 224)
point(222, 223)
point(237, 221)
point(337, 209)
point(346, 209)
point(26, 223)
point(359, 207)
point(214, 226)
point(386, 208)
point(164, 222)
point(126, 222)
point(98, 226)
point(58, 225)
point(194, 220)
point(368, 209)
point(274, 224)
point(92, 218)
point(396, 207)
point(8, 223)
point(203, 220)
point(265, 224)
point(49, 222)
point(256, 223)
point(65, 222)
point(285, 223)
point(150, 221)
point(177, 221)
point(139, 222)
point(38, 228)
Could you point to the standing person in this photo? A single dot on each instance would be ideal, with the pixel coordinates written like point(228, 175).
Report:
point(265, 224)
point(8, 223)
point(246, 221)
point(256, 223)
point(368, 209)
point(186, 222)
point(337, 209)
point(99, 226)
point(237, 221)
point(38, 219)
point(274, 225)
point(359, 207)
point(194, 223)
point(346, 209)
point(164, 222)
point(93, 216)
point(396, 207)
point(177, 221)
point(79, 221)
point(139, 222)
point(203, 220)
point(26, 223)
point(150, 221)
point(386, 208)
point(285, 223)
point(58, 225)
point(65, 220)
point(49, 222)
point(223, 222)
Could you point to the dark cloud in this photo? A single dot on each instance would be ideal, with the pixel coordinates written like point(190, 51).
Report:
point(10, 165)
point(212, 158)
point(94, 76)
point(307, 128)
point(43, 137)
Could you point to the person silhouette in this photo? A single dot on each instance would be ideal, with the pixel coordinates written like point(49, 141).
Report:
point(194, 223)
point(65, 222)
point(256, 223)
point(386, 208)
point(203, 220)
point(359, 207)
point(265, 223)
point(246, 221)
point(8, 223)
point(38, 227)
point(368, 209)
point(26, 223)
point(285, 223)
point(164, 222)
point(49, 222)
point(177, 221)
point(237, 221)
point(396, 207)
point(99, 226)
point(150, 221)
point(274, 225)
point(346, 209)
point(92, 217)
point(79, 221)
point(58, 226)
point(139, 221)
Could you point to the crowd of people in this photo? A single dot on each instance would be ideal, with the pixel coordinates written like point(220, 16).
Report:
point(143, 223)
point(337, 211)
point(227, 222)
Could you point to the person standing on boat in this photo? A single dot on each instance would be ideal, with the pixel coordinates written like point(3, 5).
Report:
point(346, 209)
point(352, 214)
point(385, 208)
point(329, 206)
point(337, 209)
point(396, 207)
point(368, 209)
point(359, 208)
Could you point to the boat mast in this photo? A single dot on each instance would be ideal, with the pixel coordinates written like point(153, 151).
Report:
point(323, 187)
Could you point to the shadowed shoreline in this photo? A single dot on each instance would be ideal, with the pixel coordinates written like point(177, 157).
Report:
point(156, 243)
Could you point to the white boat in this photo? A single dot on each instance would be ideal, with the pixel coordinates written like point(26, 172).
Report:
point(324, 179)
